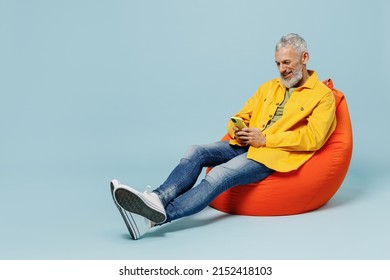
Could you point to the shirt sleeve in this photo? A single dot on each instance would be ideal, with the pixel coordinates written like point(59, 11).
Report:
point(245, 113)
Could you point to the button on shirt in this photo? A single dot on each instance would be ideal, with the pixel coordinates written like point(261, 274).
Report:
point(280, 108)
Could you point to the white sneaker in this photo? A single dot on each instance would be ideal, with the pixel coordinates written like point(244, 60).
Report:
point(146, 204)
point(136, 224)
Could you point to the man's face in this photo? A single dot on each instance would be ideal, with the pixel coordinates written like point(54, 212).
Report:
point(290, 66)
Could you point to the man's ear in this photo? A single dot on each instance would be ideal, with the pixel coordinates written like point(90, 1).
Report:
point(305, 58)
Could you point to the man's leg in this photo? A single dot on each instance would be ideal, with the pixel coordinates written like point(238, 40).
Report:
point(186, 173)
point(237, 171)
point(151, 205)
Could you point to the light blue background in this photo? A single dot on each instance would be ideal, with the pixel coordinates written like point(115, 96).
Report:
point(95, 90)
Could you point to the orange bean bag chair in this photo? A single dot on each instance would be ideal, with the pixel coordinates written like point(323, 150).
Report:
point(299, 191)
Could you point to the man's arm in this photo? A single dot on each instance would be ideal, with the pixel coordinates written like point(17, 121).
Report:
point(245, 114)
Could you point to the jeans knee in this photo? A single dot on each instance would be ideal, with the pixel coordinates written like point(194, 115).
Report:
point(193, 151)
point(219, 174)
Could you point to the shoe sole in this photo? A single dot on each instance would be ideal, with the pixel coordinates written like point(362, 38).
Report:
point(133, 203)
point(127, 217)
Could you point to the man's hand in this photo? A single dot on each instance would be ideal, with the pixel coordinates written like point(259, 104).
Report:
point(249, 136)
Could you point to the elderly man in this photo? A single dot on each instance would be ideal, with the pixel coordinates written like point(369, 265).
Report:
point(286, 121)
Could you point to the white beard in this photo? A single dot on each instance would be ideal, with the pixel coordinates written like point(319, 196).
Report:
point(296, 77)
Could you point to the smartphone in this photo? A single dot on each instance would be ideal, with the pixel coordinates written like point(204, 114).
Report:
point(238, 122)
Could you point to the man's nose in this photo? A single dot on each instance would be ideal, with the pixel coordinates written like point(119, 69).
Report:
point(282, 68)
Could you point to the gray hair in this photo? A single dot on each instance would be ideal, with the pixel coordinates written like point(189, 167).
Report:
point(294, 40)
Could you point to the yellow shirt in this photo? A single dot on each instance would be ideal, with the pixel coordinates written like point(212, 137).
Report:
point(279, 110)
point(308, 120)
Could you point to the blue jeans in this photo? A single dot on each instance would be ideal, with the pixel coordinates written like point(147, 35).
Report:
point(230, 168)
